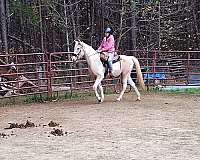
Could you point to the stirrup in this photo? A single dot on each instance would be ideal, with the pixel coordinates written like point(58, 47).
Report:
point(110, 75)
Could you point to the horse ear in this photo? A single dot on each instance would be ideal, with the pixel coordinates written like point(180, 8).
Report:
point(77, 40)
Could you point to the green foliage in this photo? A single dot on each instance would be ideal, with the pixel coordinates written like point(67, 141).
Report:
point(57, 96)
point(187, 91)
point(28, 12)
point(35, 99)
point(195, 91)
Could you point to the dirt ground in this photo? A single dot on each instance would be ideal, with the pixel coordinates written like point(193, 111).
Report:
point(160, 127)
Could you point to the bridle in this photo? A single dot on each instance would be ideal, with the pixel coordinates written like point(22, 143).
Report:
point(77, 55)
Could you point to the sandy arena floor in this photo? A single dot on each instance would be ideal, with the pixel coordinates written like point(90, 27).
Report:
point(160, 127)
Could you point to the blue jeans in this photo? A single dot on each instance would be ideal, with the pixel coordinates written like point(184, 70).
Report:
point(110, 66)
point(110, 59)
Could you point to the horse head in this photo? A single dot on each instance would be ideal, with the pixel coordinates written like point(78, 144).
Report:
point(78, 50)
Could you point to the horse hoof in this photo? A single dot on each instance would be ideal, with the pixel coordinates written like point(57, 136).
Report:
point(118, 99)
point(138, 99)
point(99, 100)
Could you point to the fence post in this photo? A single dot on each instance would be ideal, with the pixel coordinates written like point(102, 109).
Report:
point(147, 61)
point(188, 65)
point(154, 66)
point(49, 84)
point(17, 79)
point(154, 62)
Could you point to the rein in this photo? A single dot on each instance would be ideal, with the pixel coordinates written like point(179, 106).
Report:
point(84, 52)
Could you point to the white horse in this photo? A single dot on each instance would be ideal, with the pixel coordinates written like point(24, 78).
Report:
point(122, 67)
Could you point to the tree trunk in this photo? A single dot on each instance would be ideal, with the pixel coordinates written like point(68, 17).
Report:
point(66, 26)
point(133, 22)
point(4, 27)
point(41, 27)
point(8, 15)
point(73, 20)
point(121, 25)
point(196, 28)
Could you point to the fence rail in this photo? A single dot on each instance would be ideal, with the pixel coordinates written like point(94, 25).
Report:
point(37, 73)
point(170, 67)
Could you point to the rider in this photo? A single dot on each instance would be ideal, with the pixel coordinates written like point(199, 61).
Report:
point(108, 47)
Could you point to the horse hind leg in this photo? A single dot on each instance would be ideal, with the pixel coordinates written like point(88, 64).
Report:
point(130, 81)
point(124, 85)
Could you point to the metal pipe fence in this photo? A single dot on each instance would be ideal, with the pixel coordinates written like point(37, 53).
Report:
point(169, 67)
point(24, 75)
point(39, 73)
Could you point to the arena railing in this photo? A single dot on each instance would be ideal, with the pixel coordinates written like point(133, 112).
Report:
point(46, 73)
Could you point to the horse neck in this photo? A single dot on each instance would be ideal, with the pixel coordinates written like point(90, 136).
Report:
point(90, 54)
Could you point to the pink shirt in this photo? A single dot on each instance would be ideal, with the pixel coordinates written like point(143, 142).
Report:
point(107, 45)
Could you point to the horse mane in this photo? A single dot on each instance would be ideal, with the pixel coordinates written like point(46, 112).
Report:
point(88, 45)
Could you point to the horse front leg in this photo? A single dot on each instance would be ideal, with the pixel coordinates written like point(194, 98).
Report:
point(95, 86)
point(124, 83)
point(101, 91)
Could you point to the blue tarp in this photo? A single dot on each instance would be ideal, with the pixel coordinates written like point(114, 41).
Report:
point(194, 79)
point(159, 76)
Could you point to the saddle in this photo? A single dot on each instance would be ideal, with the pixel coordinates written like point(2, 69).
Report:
point(104, 60)
point(104, 57)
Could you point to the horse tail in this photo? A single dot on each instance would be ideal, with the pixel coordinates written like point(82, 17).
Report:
point(139, 73)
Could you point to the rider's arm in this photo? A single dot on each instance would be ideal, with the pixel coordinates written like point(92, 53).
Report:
point(101, 45)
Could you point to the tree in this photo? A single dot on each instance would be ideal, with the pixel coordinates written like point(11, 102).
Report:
point(4, 26)
point(52, 25)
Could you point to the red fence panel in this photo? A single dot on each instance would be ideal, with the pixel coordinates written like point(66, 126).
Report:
point(169, 67)
point(37, 73)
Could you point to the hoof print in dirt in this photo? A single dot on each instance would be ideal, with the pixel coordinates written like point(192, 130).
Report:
point(53, 124)
point(15, 125)
point(12, 125)
point(29, 124)
point(57, 132)
point(21, 126)
point(3, 135)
